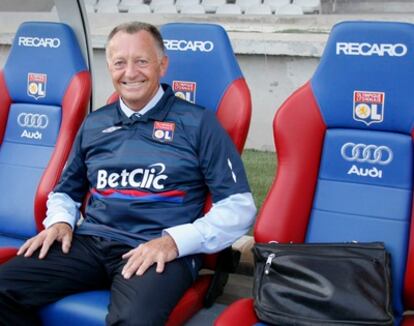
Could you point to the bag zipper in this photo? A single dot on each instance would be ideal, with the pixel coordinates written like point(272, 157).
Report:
point(269, 263)
point(272, 256)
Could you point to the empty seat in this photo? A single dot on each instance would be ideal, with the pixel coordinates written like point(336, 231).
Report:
point(165, 9)
point(289, 9)
point(345, 151)
point(260, 9)
point(125, 5)
point(193, 9)
point(229, 9)
point(183, 3)
point(157, 3)
point(244, 4)
point(107, 6)
point(140, 9)
point(276, 4)
point(45, 89)
point(309, 6)
point(211, 6)
point(89, 8)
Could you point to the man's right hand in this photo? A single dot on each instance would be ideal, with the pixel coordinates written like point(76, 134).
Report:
point(61, 232)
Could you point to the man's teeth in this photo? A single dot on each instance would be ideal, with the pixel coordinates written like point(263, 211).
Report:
point(132, 84)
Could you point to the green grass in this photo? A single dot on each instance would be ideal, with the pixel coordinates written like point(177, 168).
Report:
point(260, 168)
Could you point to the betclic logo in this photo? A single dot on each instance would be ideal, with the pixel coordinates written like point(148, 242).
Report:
point(151, 177)
point(189, 45)
point(371, 49)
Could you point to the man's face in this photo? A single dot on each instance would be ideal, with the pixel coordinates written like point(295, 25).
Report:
point(136, 66)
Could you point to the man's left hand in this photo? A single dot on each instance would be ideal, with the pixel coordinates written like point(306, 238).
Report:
point(160, 251)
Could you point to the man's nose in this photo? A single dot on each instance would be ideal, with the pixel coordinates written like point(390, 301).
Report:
point(131, 69)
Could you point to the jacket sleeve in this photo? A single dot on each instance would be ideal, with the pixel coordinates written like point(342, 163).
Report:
point(64, 202)
point(233, 210)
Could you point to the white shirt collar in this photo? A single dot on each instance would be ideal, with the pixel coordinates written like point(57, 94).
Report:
point(152, 103)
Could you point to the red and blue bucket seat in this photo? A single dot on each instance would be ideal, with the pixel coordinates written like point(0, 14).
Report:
point(45, 89)
point(202, 69)
point(345, 156)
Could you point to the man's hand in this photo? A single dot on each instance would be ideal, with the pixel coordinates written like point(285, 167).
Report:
point(160, 250)
point(61, 232)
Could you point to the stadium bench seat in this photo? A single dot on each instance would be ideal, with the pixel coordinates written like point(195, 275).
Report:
point(45, 89)
point(198, 54)
point(345, 156)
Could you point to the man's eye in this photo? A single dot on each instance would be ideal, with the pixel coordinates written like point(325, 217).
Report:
point(142, 63)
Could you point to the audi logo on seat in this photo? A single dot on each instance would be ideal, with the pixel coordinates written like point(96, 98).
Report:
point(32, 120)
point(367, 153)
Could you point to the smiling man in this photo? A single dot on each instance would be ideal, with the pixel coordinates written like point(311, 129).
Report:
point(148, 161)
point(135, 67)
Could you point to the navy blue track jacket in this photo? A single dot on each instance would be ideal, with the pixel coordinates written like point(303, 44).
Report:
point(152, 173)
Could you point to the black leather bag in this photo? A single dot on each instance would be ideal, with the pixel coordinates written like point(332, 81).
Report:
point(322, 284)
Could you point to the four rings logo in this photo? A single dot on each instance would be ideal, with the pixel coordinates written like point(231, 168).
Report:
point(367, 153)
point(32, 121)
point(362, 153)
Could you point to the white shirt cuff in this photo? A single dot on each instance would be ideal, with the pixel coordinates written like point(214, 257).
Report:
point(61, 208)
point(187, 238)
point(61, 218)
point(227, 220)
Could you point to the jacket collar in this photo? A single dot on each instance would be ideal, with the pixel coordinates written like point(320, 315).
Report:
point(157, 113)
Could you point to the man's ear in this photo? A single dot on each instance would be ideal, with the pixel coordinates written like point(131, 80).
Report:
point(164, 65)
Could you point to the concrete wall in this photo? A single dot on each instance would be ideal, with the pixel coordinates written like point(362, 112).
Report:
point(271, 80)
point(26, 5)
point(276, 55)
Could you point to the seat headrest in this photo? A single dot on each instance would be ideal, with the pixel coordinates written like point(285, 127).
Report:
point(202, 62)
point(366, 75)
point(34, 72)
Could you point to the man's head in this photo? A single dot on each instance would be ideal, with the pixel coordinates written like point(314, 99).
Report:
point(136, 61)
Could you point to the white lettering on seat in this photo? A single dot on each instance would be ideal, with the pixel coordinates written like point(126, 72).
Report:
point(368, 49)
point(184, 45)
point(38, 42)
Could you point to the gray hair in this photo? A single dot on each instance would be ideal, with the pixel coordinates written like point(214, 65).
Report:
point(135, 27)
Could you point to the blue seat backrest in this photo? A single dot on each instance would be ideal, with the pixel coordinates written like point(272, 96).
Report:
point(363, 86)
point(189, 44)
point(41, 64)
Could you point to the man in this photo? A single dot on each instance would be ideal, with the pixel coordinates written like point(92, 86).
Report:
point(144, 225)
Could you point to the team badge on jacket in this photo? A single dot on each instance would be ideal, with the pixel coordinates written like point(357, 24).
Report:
point(163, 131)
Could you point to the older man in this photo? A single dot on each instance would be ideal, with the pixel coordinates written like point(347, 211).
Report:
point(148, 162)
